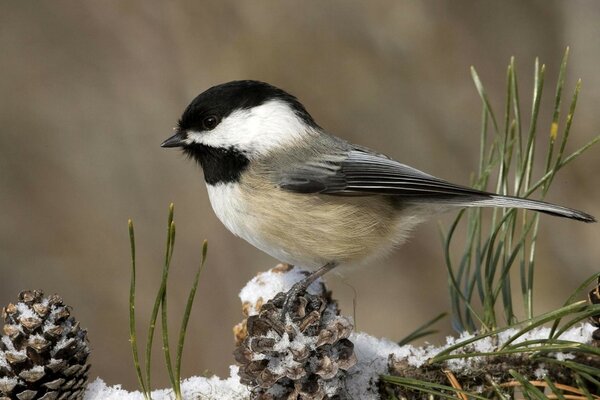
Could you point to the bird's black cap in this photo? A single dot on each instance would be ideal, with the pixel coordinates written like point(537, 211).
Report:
point(222, 100)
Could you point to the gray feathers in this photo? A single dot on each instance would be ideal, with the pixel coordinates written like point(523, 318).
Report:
point(275, 179)
point(361, 172)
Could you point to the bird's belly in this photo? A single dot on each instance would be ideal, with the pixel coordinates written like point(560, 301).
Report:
point(310, 230)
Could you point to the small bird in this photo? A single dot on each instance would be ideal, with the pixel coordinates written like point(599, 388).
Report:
point(276, 179)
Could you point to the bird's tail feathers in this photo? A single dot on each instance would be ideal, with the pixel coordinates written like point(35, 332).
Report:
point(494, 200)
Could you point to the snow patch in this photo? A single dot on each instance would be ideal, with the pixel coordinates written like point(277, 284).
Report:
point(372, 353)
point(193, 388)
point(540, 373)
point(26, 312)
point(7, 384)
point(3, 362)
point(266, 285)
point(361, 382)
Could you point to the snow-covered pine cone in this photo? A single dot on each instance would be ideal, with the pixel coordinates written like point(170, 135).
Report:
point(305, 357)
point(43, 352)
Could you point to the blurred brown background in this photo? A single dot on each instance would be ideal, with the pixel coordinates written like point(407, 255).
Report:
point(90, 89)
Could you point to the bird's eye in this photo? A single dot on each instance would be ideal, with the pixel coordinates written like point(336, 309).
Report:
point(209, 123)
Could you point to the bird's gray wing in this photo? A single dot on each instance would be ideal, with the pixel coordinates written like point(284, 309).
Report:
point(362, 172)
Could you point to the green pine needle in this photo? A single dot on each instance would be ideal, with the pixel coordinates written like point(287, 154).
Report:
point(160, 303)
point(481, 281)
point(186, 318)
point(132, 326)
point(434, 389)
point(422, 331)
point(159, 297)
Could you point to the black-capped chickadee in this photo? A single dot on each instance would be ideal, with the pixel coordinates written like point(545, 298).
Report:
point(278, 180)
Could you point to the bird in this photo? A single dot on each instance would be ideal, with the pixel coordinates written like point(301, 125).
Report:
point(278, 180)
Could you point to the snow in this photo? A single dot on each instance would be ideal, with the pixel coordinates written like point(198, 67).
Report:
point(9, 345)
point(26, 312)
point(266, 285)
point(193, 388)
point(372, 353)
point(540, 373)
point(3, 363)
point(61, 344)
point(7, 384)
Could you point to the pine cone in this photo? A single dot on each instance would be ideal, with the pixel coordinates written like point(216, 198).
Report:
point(43, 353)
point(305, 357)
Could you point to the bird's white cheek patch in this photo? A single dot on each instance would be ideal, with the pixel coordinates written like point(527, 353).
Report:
point(257, 130)
point(193, 137)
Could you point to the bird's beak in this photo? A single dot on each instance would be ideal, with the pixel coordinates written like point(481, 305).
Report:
point(177, 140)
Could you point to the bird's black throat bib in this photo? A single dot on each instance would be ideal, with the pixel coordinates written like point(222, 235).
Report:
point(220, 165)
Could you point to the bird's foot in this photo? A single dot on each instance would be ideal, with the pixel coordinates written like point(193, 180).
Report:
point(300, 288)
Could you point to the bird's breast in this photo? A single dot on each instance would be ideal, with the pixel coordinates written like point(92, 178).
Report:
point(309, 230)
point(229, 206)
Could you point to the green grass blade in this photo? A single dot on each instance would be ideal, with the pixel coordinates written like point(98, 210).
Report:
point(528, 389)
point(567, 131)
point(480, 278)
point(482, 140)
point(537, 100)
point(503, 278)
point(555, 391)
point(484, 98)
point(589, 312)
point(575, 295)
point(578, 367)
point(454, 285)
point(542, 181)
point(421, 331)
point(582, 386)
point(544, 318)
point(132, 327)
point(517, 119)
point(158, 300)
point(591, 379)
point(164, 311)
point(547, 348)
point(186, 318)
point(530, 267)
point(556, 113)
point(429, 387)
point(578, 152)
point(504, 165)
point(499, 392)
point(531, 324)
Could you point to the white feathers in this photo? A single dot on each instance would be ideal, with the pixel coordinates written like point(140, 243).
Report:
point(242, 217)
point(238, 215)
point(255, 131)
point(229, 206)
